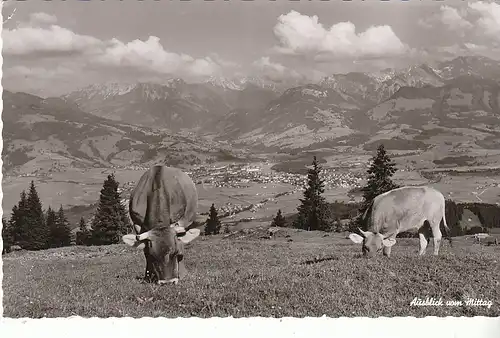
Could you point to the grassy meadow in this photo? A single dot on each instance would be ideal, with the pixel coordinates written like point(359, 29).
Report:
point(296, 273)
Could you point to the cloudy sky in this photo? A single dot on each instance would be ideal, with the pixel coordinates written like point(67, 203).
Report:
point(53, 47)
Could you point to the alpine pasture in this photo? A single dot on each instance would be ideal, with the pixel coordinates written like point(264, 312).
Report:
point(247, 272)
point(296, 273)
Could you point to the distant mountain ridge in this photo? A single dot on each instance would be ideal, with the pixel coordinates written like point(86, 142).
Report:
point(42, 135)
point(342, 109)
point(454, 103)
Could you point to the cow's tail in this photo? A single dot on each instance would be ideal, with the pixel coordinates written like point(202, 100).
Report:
point(447, 233)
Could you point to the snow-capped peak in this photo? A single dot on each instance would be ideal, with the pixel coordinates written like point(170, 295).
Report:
point(225, 83)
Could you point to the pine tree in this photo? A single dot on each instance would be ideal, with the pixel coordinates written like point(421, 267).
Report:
point(213, 225)
point(51, 224)
point(17, 221)
point(110, 221)
point(63, 232)
point(37, 234)
point(83, 234)
point(313, 208)
point(379, 179)
point(7, 236)
point(278, 220)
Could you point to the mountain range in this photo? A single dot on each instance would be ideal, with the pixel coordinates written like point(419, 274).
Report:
point(453, 103)
point(51, 134)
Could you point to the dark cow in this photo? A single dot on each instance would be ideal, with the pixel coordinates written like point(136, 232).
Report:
point(400, 210)
point(162, 207)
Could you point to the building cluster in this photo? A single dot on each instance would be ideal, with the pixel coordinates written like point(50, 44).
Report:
point(240, 175)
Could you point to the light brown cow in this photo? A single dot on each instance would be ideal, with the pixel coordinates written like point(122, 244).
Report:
point(400, 210)
point(162, 206)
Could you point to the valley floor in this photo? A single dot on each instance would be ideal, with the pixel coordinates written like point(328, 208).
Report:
point(78, 187)
point(295, 274)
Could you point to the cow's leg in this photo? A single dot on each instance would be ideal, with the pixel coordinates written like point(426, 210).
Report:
point(387, 249)
point(148, 274)
point(423, 243)
point(175, 269)
point(436, 233)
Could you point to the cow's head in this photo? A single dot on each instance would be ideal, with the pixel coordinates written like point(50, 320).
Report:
point(372, 243)
point(165, 248)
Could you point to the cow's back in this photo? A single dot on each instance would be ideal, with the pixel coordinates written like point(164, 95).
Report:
point(403, 208)
point(172, 194)
point(183, 195)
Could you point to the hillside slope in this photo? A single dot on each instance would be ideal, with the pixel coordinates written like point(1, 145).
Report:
point(42, 135)
point(464, 113)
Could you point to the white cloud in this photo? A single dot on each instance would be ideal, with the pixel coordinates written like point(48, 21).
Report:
point(489, 21)
point(32, 40)
point(42, 18)
point(477, 26)
point(453, 19)
point(54, 39)
point(479, 20)
point(223, 62)
point(275, 71)
point(266, 63)
point(150, 55)
point(303, 35)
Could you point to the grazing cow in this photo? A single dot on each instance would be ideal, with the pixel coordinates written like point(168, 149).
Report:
point(400, 210)
point(162, 206)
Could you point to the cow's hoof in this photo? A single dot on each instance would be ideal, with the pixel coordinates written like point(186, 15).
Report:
point(170, 281)
point(174, 281)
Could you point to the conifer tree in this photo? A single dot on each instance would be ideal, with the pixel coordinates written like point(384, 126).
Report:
point(110, 220)
point(278, 220)
point(313, 208)
point(380, 172)
point(36, 236)
point(213, 225)
point(17, 221)
point(83, 234)
point(63, 231)
point(7, 236)
point(51, 224)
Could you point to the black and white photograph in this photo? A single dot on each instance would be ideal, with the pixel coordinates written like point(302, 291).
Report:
point(278, 159)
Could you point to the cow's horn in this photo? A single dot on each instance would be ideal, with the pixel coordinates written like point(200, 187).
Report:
point(362, 232)
point(143, 236)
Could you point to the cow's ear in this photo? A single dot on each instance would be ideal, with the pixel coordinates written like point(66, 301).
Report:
point(190, 235)
point(388, 242)
point(179, 231)
point(356, 238)
point(131, 240)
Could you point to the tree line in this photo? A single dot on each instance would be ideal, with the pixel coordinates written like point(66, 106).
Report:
point(32, 228)
point(314, 213)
